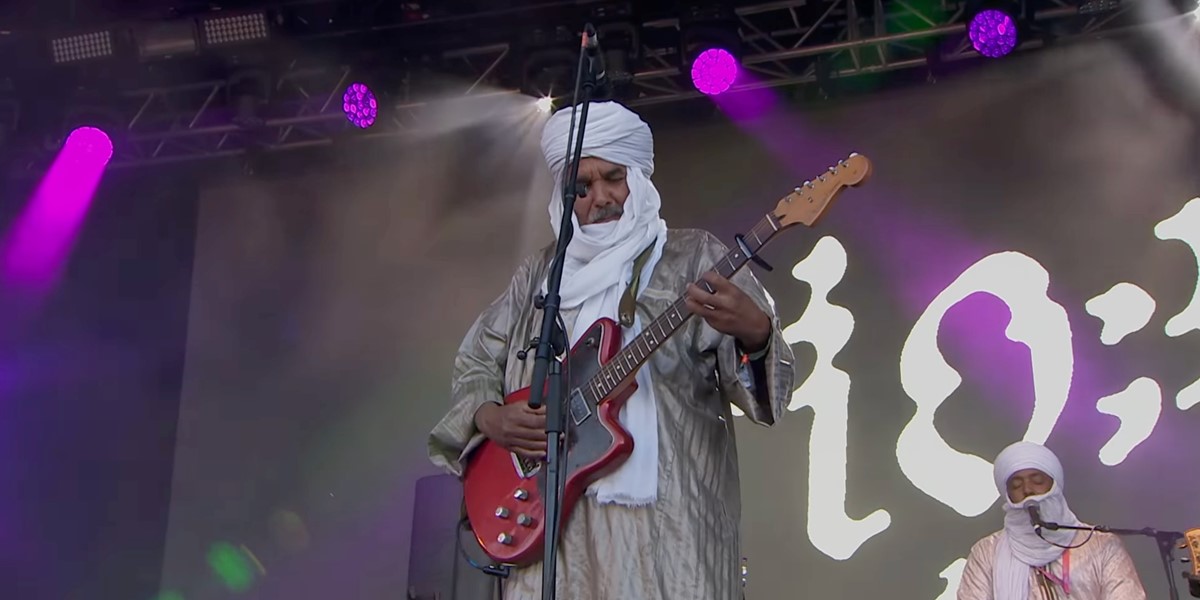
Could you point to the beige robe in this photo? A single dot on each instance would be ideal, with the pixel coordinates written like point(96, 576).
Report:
point(686, 545)
point(1100, 570)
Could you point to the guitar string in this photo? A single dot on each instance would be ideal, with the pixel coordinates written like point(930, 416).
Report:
point(761, 233)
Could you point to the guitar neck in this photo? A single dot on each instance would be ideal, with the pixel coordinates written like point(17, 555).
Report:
point(653, 334)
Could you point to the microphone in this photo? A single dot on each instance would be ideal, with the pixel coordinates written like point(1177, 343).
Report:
point(1035, 517)
point(595, 56)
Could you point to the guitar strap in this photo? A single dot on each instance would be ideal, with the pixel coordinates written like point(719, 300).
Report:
point(629, 298)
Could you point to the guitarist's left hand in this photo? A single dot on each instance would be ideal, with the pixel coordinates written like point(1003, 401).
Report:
point(730, 311)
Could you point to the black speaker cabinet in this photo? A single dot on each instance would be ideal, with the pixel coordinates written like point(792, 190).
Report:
point(437, 568)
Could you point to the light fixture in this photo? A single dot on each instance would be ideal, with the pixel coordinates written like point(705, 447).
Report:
point(359, 105)
point(993, 27)
point(226, 29)
point(167, 39)
point(81, 47)
point(91, 144)
point(550, 72)
point(710, 46)
point(714, 71)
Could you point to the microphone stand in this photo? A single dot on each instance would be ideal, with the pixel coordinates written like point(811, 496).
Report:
point(548, 369)
point(1165, 539)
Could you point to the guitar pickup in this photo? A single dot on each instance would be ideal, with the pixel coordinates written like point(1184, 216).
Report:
point(580, 411)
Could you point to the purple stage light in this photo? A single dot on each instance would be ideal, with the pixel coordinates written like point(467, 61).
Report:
point(359, 105)
point(89, 143)
point(993, 33)
point(714, 71)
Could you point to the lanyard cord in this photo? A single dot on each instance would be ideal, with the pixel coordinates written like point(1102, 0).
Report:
point(1065, 580)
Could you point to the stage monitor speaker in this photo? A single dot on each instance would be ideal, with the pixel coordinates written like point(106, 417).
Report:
point(437, 569)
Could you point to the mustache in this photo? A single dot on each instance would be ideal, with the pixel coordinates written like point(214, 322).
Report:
point(604, 212)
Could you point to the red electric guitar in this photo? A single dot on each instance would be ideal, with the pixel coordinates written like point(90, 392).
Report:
point(1192, 544)
point(502, 491)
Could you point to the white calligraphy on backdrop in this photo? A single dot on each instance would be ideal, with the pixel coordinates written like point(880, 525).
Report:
point(963, 482)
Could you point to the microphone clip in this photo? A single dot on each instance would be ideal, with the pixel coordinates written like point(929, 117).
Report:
point(597, 72)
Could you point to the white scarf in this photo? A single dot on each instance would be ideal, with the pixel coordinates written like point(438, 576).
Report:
point(599, 266)
point(1019, 547)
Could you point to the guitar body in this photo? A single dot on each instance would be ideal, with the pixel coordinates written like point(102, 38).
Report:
point(503, 494)
point(1192, 539)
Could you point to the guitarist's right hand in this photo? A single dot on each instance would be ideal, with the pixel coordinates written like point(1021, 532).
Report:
point(514, 426)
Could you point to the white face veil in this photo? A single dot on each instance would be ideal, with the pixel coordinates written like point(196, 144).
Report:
point(599, 254)
point(599, 264)
point(1020, 547)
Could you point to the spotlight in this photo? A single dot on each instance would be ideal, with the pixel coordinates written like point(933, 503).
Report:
point(993, 32)
point(710, 45)
point(714, 70)
point(91, 143)
point(359, 105)
point(545, 104)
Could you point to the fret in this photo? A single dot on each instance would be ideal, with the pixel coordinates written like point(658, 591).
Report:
point(632, 356)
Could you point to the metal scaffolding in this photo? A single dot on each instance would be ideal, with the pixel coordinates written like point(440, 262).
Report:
point(783, 43)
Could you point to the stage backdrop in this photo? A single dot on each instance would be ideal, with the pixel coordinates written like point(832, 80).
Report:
point(1022, 264)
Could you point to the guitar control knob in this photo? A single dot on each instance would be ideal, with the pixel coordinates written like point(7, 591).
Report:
point(504, 538)
point(521, 494)
point(501, 512)
point(524, 520)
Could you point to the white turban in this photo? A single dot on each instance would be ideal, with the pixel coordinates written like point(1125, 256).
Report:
point(1019, 546)
point(599, 265)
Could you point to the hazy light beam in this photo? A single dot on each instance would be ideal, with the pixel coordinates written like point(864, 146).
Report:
point(35, 249)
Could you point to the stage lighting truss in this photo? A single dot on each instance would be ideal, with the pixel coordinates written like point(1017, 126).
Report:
point(780, 44)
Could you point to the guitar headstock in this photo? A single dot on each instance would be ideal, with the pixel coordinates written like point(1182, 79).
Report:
point(809, 202)
point(1193, 545)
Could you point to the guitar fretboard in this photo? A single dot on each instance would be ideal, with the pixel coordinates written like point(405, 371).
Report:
point(653, 334)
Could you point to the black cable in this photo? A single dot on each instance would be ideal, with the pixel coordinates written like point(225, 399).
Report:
point(1091, 532)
